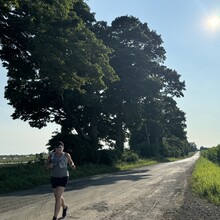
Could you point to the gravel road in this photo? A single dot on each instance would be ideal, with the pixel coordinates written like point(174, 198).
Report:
point(151, 193)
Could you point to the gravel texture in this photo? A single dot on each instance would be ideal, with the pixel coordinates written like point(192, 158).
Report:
point(194, 207)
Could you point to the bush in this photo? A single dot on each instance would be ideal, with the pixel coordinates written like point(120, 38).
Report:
point(148, 150)
point(171, 151)
point(212, 154)
point(129, 156)
point(107, 157)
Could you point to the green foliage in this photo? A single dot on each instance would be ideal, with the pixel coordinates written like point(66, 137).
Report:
point(139, 163)
point(31, 174)
point(206, 180)
point(136, 100)
point(175, 147)
point(108, 157)
point(40, 158)
point(146, 150)
point(100, 83)
point(212, 154)
point(49, 52)
point(129, 156)
point(136, 48)
point(173, 119)
point(171, 151)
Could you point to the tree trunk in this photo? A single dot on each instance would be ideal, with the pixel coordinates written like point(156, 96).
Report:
point(147, 134)
point(119, 134)
point(93, 131)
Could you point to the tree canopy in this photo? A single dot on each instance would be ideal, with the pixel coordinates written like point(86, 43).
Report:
point(101, 83)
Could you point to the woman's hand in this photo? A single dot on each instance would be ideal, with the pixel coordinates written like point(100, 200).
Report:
point(49, 166)
point(73, 166)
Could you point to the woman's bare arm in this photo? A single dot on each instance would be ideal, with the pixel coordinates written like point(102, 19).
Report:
point(70, 161)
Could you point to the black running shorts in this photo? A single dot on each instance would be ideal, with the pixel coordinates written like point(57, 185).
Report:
point(59, 181)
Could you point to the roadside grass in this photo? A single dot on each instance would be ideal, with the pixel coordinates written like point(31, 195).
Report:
point(25, 176)
point(22, 176)
point(206, 180)
point(139, 163)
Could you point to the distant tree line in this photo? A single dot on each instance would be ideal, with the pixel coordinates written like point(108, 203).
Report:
point(212, 154)
point(105, 85)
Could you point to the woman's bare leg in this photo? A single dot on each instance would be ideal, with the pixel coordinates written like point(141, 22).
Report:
point(63, 204)
point(59, 200)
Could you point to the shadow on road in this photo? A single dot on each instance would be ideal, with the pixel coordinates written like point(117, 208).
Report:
point(107, 179)
point(102, 179)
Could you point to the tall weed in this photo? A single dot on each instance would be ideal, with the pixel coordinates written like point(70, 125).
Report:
point(206, 180)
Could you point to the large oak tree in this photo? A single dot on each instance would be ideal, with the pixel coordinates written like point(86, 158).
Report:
point(138, 59)
point(55, 65)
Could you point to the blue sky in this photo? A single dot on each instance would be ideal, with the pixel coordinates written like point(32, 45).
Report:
point(190, 30)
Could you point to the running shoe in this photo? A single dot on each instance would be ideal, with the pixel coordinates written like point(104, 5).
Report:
point(65, 212)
